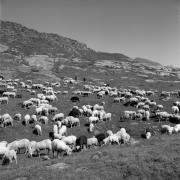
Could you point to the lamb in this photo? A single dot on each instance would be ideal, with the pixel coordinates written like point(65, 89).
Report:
point(60, 146)
point(10, 155)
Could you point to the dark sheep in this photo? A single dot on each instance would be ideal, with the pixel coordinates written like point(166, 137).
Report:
point(100, 137)
point(75, 99)
point(81, 141)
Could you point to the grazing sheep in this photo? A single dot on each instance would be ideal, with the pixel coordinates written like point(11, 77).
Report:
point(41, 145)
point(175, 109)
point(81, 141)
point(100, 137)
point(17, 145)
point(17, 117)
point(10, 155)
point(60, 146)
point(69, 140)
point(58, 117)
point(93, 119)
point(44, 120)
point(167, 128)
point(92, 142)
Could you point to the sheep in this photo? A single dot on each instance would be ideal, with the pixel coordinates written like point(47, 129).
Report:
point(109, 132)
point(17, 145)
point(33, 118)
point(69, 140)
point(148, 135)
point(147, 115)
point(93, 119)
point(63, 130)
point(100, 137)
point(107, 116)
point(7, 121)
point(74, 121)
point(91, 127)
point(4, 100)
point(59, 124)
point(177, 128)
point(44, 120)
point(41, 145)
point(10, 155)
point(175, 109)
point(92, 142)
point(55, 129)
point(167, 128)
point(17, 117)
point(38, 129)
point(27, 118)
point(60, 146)
point(81, 141)
point(58, 117)
point(3, 143)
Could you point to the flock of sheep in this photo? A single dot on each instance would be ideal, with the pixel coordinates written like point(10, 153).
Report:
point(59, 141)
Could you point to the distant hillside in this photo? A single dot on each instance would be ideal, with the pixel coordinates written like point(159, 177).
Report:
point(146, 61)
point(27, 41)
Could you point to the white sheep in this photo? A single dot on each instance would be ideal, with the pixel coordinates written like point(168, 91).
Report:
point(60, 146)
point(69, 140)
point(41, 145)
point(175, 109)
point(177, 128)
point(92, 141)
point(63, 130)
point(27, 118)
point(167, 128)
point(148, 135)
point(10, 155)
point(91, 127)
point(38, 129)
point(93, 119)
point(55, 128)
point(17, 145)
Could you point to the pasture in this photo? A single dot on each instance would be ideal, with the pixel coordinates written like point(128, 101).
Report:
point(157, 158)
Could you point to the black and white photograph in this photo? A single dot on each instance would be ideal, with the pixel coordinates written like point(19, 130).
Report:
point(89, 89)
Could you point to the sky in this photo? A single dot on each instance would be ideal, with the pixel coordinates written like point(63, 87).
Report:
point(137, 28)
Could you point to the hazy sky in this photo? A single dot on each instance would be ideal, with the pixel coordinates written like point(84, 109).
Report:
point(137, 28)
